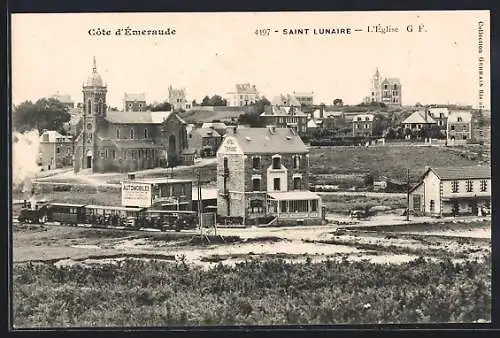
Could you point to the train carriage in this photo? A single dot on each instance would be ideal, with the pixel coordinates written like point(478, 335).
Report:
point(66, 213)
point(104, 216)
point(170, 219)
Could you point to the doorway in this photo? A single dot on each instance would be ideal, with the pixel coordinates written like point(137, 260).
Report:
point(89, 161)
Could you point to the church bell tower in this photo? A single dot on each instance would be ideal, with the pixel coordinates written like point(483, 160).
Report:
point(94, 103)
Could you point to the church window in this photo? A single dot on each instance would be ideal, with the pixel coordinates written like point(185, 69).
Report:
point(89, 107)
point(131, 133)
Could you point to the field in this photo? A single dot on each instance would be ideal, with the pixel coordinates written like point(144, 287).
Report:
point(390, 161)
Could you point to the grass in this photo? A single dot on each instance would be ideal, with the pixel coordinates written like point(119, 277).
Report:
point(271, 292)
point(384, 161)
point(342, 204)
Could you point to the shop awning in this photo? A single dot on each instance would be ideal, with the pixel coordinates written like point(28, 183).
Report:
point(293, 195)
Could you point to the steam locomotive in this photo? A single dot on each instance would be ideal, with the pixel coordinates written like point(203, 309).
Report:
point(107, 216)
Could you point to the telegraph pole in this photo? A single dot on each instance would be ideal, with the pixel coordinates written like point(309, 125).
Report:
point(408, 194)
point(199, 203)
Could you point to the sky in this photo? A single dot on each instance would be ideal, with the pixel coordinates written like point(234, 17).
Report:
point(211, 52)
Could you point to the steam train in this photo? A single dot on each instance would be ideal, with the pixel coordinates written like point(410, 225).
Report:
point(100, 216)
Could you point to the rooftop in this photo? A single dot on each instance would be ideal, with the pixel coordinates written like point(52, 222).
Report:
point(453, 116)
point(206, 132)
point(294, 195)
point(460, 173)
point(363, 117)
point(134, 97)
point(158, 180)
point(269, 140)
point(137, 117)
point(418, 117)
point(285, 100)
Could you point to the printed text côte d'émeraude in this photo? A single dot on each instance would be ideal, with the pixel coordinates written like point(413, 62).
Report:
point(127, 31)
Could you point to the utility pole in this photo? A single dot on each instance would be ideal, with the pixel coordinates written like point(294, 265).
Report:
point(199, 203)
point(408, 194)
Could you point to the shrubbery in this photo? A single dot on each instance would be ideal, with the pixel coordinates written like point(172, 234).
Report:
point(139, 293)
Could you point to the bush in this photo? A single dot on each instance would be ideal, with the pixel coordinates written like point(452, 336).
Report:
point(265, 292)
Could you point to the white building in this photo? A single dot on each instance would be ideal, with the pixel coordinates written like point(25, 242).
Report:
point(452, 191)
point(244, 94)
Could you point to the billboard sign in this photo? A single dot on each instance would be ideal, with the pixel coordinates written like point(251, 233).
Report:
point(136, 194)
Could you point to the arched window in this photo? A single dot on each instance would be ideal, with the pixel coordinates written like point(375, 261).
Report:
point(226, 164)
point(89, 107)
point(99, 107)
point(131, 133)
point(117, 132)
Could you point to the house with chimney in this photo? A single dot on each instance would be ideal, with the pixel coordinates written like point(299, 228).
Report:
point(263, 175)
point(362, 125)
point(419, 120)
point(134, 102)
point(205, 141)
point(459, 127)
point(452, 191)
point(55, 150)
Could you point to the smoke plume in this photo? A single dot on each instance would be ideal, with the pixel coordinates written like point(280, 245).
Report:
point(25, 150)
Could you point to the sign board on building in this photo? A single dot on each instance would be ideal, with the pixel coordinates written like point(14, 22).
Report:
point(136, 194)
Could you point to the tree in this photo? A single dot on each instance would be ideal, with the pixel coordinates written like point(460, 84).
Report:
point(215, 100)
point(260, 106)
point(205, 101)
point(338, 102)
point(163, 106)
point(380, 124)
point(46, 113)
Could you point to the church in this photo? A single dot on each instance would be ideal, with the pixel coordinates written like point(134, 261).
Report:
point(386, 90)
point(123, 141)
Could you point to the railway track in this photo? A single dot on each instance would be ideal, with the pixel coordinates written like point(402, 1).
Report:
point(15, 222)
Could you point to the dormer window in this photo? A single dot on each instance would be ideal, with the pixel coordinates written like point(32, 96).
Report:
point(276, 162)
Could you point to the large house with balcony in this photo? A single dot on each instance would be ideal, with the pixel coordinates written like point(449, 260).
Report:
point(262, 174)
point(455, 191)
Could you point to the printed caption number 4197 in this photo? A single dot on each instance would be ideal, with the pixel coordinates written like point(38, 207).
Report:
point(263, 32)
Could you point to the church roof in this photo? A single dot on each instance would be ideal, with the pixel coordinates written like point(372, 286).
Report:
point(137, 117)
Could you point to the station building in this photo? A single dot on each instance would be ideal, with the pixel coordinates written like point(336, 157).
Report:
point(447, 191)
point(263, 176)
